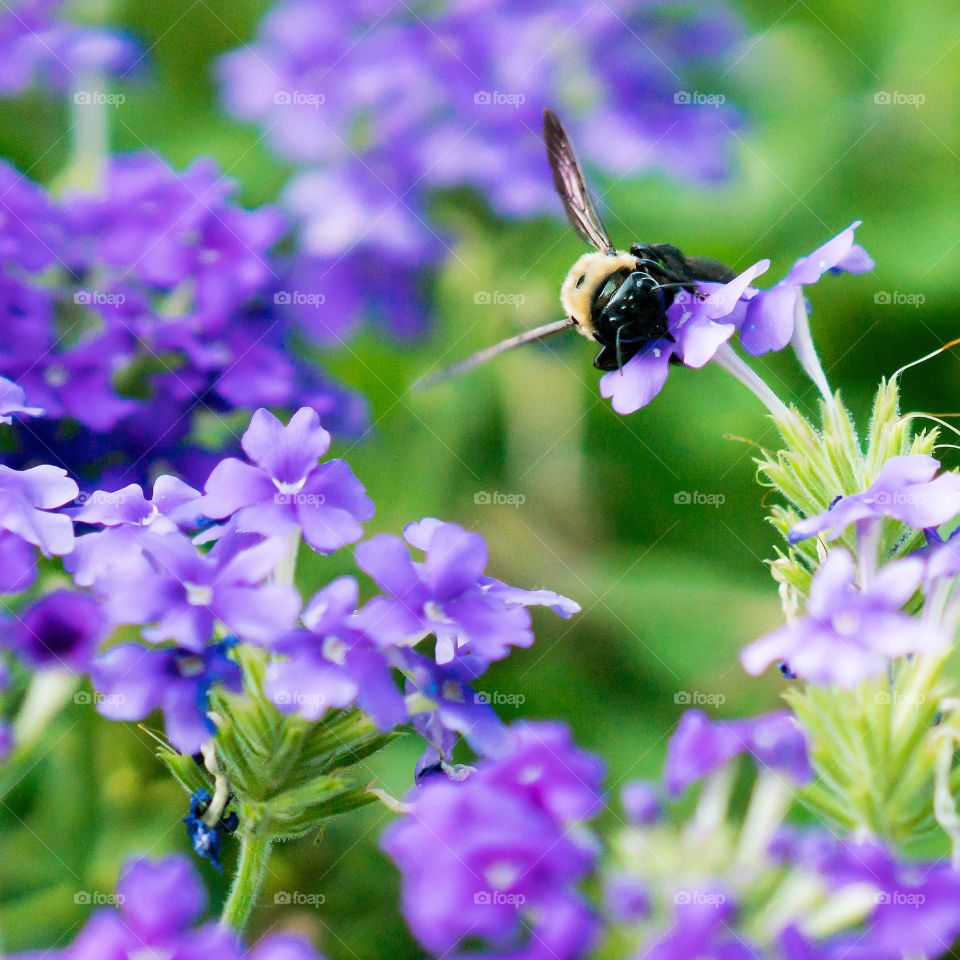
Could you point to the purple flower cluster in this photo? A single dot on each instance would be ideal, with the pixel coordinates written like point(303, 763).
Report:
point(138, 309)
point(699, 325)
point(437, 96)
point(160, 906)
point(498, 856)
point(38, 45)
point(853, 630)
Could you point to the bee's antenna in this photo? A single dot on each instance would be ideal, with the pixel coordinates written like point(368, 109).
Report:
point(489, 353)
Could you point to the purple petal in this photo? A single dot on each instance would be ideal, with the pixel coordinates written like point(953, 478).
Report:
point(770, 319)
point(640, 379)
point(385, 559)
point(454, 563)
point(288, 453)
point(112, 509)
point(232, 485)
point(161, 899)
point(258, 614)
point(826, 257)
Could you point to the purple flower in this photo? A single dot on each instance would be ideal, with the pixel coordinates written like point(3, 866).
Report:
point(26, 499)
point(13, 400)
point(695, 335)
point(286, 489)
point(332, 663)
point(849, 634)
point(126, 516)
point(625, 898)
point(699, 746)
point(702, 926)
point(482, 857)
point(160, 904)
point(905, 489)
point(185, 592)
point(447, 594)
point(769, 319)
point(63, 629)
point(135, 680)
point(641, 802)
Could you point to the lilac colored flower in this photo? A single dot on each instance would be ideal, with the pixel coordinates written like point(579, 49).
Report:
point(62, 629)
point(906, 489)
point(625, 898)
point(286, 489)
point(641, 802)
point(6, 740)
point(37, 44)
point(135, 680)
point(447, 594)
point(13, 400)
point(849, 634)
point(27, 498)
point(185, 592)
point(769, 319)
point(332, 664)
point(283, 946)
point(482, 856)
point(702, 926)
point(699, 746)
point(126, 516)
point(696, 333)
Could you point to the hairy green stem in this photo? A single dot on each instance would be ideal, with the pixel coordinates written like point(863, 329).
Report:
point(247, 882)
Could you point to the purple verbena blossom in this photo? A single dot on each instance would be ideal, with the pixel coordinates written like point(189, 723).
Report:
point(906, 489)
point(768, 322)
point(62, 629)
point(483, 857)
point(184, 593)
point(447, 594)
point(699, 746)
point(133, 681)
point(332, 663)
point(849, 634)
point(285, 489)
point(696, 333)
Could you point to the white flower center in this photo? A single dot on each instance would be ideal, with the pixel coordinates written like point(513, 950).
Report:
point(56, 375)
point(289, 489)
point(846, 624)
point(501, 875)
point(435, 612)
point(334, 649)
point(198, 594)
point(529, 775)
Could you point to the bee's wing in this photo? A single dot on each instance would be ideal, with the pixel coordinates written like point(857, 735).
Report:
point(568, 179)
point(482, 356)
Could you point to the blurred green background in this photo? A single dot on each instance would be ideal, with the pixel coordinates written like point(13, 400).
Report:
point(670, 591)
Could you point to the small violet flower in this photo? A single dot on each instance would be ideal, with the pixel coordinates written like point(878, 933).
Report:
point(503, 851)
point(770, 316)
point(695, 335)
point(186, 592)
point(849, 634)
point(62, 629)
point(906, 489)
point(285, 489)
point(134, 680)
point(447, 594)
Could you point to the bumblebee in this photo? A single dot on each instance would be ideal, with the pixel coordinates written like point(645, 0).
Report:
point(618, 299)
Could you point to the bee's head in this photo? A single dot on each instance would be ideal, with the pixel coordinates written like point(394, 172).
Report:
point(592, 280)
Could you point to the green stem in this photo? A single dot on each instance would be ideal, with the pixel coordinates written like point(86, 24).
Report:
point(247, 881)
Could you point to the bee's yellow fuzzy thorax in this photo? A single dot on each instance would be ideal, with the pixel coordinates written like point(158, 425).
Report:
point(594, 268)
